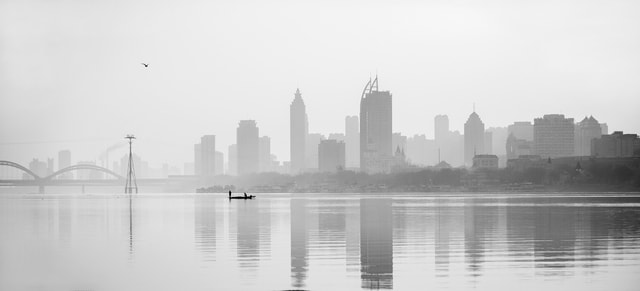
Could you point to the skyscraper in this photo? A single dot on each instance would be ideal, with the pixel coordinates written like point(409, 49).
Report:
point(474, 138)
point(248, 147)
point(352, 141)
point(553, 136)
point(441, 124)
point(521, 130)
point(375, 129)
point(298, 129)
point(312, 143)
point(208, 155)
point(219, 163)
point(585, 131)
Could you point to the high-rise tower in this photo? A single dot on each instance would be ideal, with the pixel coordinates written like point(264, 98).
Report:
point(375, 129)
point(298, 133)
point(248, 147)
point(474, 138)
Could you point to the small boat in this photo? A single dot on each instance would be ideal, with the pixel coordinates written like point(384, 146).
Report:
point(242, 197)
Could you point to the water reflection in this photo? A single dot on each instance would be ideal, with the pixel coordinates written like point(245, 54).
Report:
point(321, 242)
point(376, 244)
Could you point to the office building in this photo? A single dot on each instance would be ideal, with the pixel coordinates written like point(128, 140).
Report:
point(233, 160)
point(352, 141)
point(474, 138)
point(265, 154)
point(585, 131)
point(298, 130)
point(208, 155)
point(616, 145)
point(521, 130)
point(553, 136)
point(313, 141)
point(248, 142)
point(375, 129)
point(219, 168)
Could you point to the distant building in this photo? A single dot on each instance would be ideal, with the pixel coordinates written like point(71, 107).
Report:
point(313, 141)
point(516, 147)
point(553, 136)
point(40, 168)
point(524, 162)
point(337, 136)
point(197, 159)
point(485, 162)
point(398, 140)
point(375, 129)
point(64, 161)
point(331, 155)
point(298, 130)
point(585, 131)
point(498, 140)
point(441, 128)
point(605, 128)
point(233, 160)
point(474, 138)
point(352, 141)
point(208, 155)
point(521, 130)
point(219, 168)
point(265, 154)
point(421, 151)
point(248, 142)
point(616, 145)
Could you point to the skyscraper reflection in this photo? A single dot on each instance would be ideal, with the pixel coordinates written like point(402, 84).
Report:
point(205, 225)
point(248, 234)
point(299, 242)
point(376, 244)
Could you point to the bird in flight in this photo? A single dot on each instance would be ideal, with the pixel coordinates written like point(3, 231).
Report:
point(145, 65)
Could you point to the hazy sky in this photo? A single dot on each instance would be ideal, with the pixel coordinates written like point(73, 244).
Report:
point(70, 73)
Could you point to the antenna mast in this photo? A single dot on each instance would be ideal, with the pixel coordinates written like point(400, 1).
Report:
point(131, 174)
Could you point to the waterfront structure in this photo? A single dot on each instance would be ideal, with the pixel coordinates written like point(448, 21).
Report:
point(352, 141)
point(616, 145)
point(64, 161)
point(208, 155)
point(485, 162)
point(375, 129)
point(331, 155)
point(298, 130)
point(474, 138)
point(553, 136)
point(585, 131)
point(247, 140)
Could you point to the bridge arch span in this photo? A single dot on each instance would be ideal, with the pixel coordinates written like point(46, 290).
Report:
point(83, 167)
point(20, 167)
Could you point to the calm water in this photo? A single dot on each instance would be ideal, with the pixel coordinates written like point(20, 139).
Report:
point(319, 242)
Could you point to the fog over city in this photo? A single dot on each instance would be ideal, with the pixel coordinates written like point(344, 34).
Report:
point(71, 76)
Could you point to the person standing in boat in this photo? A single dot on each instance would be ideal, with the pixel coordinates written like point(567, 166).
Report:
point(245, 194)
point(229, 193)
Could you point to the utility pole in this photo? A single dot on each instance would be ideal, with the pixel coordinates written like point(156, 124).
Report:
point(131, 174)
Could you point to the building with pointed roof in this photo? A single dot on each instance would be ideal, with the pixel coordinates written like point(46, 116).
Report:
point(298, 130)
point(474, 138)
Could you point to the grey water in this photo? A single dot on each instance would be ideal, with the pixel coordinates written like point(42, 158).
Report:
point(320, 242)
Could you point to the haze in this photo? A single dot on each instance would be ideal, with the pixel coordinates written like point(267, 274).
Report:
point(71, 78)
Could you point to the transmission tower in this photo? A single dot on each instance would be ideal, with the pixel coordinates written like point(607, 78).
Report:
point(131, 174)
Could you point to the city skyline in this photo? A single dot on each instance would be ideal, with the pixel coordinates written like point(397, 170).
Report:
point(204, 78)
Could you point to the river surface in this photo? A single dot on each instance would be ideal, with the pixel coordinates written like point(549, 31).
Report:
point(320, 242)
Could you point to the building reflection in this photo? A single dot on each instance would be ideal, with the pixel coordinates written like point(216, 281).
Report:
point(352, 236)
point(441, 234)
point(475, 225)
point(248, 234)
point(205, 225)
point(299, 242)
point(376, 244)
point(554, 237)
